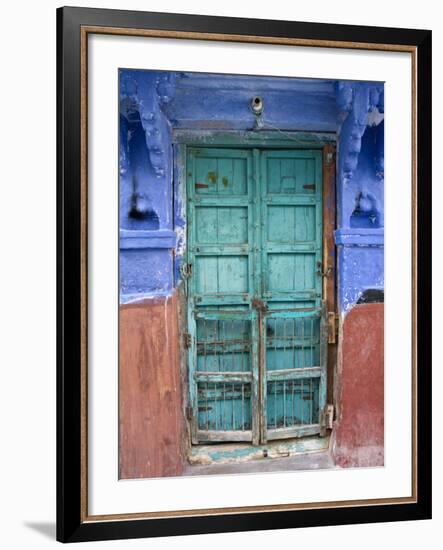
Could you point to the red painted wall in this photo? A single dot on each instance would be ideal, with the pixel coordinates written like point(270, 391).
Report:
point(358, 436)
point(150, 401)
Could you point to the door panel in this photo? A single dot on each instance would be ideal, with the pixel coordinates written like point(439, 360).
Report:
point(221, 225)
point(291, 173)
point(289, 272)
point(291, 210)
point(289, 224)
point(224, 340)
point(219, 275)
point(257, 364)
point(220, 174)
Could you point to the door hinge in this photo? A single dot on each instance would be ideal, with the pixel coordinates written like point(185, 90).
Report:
point(327, 419)
point(187, 339)
point(332, 327)
point(188, 412)
point(329, 158)
point(186, 270)
point(329, 416)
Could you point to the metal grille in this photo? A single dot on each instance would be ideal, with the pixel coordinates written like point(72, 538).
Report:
point(292, 403)
point(292, 349)
point(223, 345)
point(258, 376)
point(224, 406)
point(292, 343)
point(224, 374)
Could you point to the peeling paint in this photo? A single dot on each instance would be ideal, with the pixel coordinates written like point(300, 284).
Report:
point(239, 452)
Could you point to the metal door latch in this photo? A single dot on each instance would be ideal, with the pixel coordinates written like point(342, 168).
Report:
point(259, 305)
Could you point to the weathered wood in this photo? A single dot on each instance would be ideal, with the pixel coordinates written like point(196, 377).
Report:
point(226, 376)
point(329, 254)
point(226, 435)
point(294, 374)
point(285, 433)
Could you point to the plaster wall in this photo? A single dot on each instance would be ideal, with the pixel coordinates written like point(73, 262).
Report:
point(153, 240)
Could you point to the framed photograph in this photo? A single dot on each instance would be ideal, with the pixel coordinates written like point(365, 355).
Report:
point(244, 274)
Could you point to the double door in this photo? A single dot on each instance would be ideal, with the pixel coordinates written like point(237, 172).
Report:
point(257, 336)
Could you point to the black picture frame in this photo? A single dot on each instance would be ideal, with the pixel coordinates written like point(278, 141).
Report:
point(72, 525)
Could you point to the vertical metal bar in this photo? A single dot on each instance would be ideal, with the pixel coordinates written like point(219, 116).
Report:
point(302, 399)
point(262, 412)
point(232, 337)
point(224, 407)
point(244, 343)
point(284, 403)
point(217, 358)
point(275, 337)
point(216, 389)
point(256, 399)
point(222, 399)
point(216, 406)
point(284, 343)
point(243, 407)
point(207, 407)
point(275, 404)
point(205, 343)
point(311, 401)
point(233, 408)
point(284, 365)
point(302, 387)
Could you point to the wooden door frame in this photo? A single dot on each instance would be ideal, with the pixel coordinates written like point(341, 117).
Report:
point(325, 141)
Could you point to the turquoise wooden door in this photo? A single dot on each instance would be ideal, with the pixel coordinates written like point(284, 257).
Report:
point(257, 339)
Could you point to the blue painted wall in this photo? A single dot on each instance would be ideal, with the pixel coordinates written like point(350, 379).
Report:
point(360, 190)
point(153, 104)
